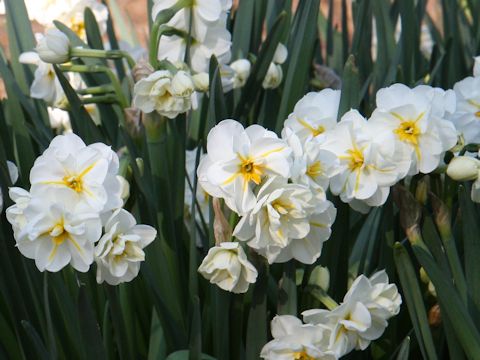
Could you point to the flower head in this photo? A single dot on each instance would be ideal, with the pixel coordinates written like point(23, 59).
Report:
point(119, 252)
point(239, 159)
point(227, 266)
point(54, 48)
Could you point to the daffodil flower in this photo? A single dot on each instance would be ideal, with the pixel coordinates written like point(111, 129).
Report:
point(239, 159)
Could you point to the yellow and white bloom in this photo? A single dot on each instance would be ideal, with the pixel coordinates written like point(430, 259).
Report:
point(84, 176)
point(52, 235)
point(361, 317)
point(227, 266)
point(418, 123)
point(467, 115)
point(293, 340)
point(312, 165)
point(119, 252)
point(314, 114)
point(366, 170)
point(54, 47)
point(168, 94)
point(239, 159)
point(281, 214)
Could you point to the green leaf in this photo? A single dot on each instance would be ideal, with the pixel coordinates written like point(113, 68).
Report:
point(350, 87)
point(185, 355)
point(301, 46)
point(242, 31)
point(40, 349)
point(217, 106)
point(413, 298)
point(287, 297)
point(196, 332)
point(403, 353)
point(157, 349)
point(94, 37)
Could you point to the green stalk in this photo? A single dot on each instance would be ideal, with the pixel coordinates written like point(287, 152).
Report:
point(103, 54)
point(324, 298)
point(108, 99)
point(95, 90)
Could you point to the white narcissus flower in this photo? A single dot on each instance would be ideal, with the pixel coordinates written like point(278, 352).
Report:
point(366, 169)
point(467, 115)
point(85, 176)
point(308, 249)
point(227, 266)
point(281, 214)
point(59, 120)
point(312, 165)
point(274, 77)
point(238, 159)
point(13, 174)
point(314, 114)
point(242, 68)
point(74, 18)
point(54, 47)
point(217, 42)
point(165, 93)
point(52, 235)
point(418, 122)
point(293, 340)
point(119, 252)
point(204, 14)
point(361, 317)
point(463, 168)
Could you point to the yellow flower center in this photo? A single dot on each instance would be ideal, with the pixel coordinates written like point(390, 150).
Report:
point(477, 114)
point(408, 131)
point(355, 159)
point(302, 355)
point(74, 183)
point(251, 171)
point(281, 207)
point(58, 233)
point(314, 169)
point(78, 27)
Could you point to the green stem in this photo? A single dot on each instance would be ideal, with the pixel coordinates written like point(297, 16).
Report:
point(95, 90)
point(103, 54)
point(108, 98)
point(324, 298)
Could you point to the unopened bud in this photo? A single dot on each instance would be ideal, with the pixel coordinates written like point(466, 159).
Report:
point(54, 47)
point(320, 276)
point(463, 168)
point(435, 316)
point(221, 228)
point(142, 70)
point(201, 82)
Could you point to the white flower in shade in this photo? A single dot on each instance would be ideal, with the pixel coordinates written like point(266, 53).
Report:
point(59, 120)
point(314, 114)
point(15, 215)
point(201, 13)
point(418, 122)
point(467, 115)
point(217, 42)
point(238, 159)
point(45, 84)
point(367, 169)
point(52, 235)
point(476, 66)
point(312, 165)
point(274, 77)
point(54, 47)
point(242, 68)
point(281, 214)
point(13, 174)
point(362, 316)
point(293, 340)
point(201, 82)
point(85, 176)
point(463, 168)
point(281, 54)
point(308, 249)
point(119, 252)
point(227, 266)
point(202, 197)
point(162, 92)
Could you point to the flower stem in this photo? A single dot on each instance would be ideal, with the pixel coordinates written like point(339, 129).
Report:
point(324, 298)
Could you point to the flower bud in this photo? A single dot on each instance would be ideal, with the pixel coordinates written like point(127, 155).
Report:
point(281, 54)
point(463, 168)
point(142, 70)
point(274, 77)
point(227, 266)
point(125, 186)
point(201, 81)
point(476, 66)
point(320, 276)
point(182, 84)
point(242, 68)
point(54, 48)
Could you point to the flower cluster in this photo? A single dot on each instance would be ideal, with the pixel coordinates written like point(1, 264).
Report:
point(75, 193)
point(330, 334)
